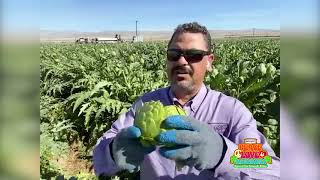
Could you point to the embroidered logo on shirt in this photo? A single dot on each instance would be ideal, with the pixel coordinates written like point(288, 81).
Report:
point(250, 155)
point(219, 127)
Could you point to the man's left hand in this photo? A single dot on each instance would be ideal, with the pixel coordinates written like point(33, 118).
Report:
point(191, 143)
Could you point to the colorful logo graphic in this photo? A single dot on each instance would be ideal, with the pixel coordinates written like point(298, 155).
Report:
point(250, 155)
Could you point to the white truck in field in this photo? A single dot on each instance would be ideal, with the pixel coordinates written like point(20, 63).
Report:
point(82, 40)
point(98, 40)
point(137, 39)
point(104, 40)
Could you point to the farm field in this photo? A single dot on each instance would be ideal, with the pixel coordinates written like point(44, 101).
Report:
point(85, 87)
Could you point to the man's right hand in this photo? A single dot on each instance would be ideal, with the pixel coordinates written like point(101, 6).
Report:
point(127, 151)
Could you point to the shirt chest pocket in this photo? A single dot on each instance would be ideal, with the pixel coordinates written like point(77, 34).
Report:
point(220, 128)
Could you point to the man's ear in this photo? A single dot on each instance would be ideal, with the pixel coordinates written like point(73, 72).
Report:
point(209, 62)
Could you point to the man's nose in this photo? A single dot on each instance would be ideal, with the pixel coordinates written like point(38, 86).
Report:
point(182, 60)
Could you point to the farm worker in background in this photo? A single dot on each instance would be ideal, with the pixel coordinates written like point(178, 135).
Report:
point(203, 141)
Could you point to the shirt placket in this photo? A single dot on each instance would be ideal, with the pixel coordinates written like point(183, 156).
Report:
point(186, 107)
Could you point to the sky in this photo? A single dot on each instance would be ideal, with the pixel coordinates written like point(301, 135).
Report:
point(104, 15)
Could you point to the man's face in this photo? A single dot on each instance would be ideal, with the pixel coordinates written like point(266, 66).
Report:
point(188, 73)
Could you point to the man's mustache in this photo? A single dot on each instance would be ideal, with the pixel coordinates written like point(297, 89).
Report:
point(186, 69)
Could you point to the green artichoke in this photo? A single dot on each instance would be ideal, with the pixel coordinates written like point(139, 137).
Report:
point(149, 117)
point(263, 69)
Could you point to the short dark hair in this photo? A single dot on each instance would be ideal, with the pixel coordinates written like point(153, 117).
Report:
point(192, 27)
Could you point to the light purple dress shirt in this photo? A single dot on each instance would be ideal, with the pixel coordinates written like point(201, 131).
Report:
point(224, 114)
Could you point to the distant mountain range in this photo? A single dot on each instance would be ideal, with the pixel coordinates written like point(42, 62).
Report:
point(60, 36)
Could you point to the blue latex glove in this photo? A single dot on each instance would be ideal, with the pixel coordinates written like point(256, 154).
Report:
point(192, 143)
point(127, 151)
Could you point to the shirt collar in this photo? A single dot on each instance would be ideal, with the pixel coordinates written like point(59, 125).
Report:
point(194, 102)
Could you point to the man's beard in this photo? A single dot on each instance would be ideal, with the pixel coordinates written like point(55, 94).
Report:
point(184, 86)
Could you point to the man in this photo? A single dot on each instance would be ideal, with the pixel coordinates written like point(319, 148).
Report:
point(203, 141)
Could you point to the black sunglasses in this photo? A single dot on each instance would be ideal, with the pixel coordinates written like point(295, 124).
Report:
point(191, 55)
